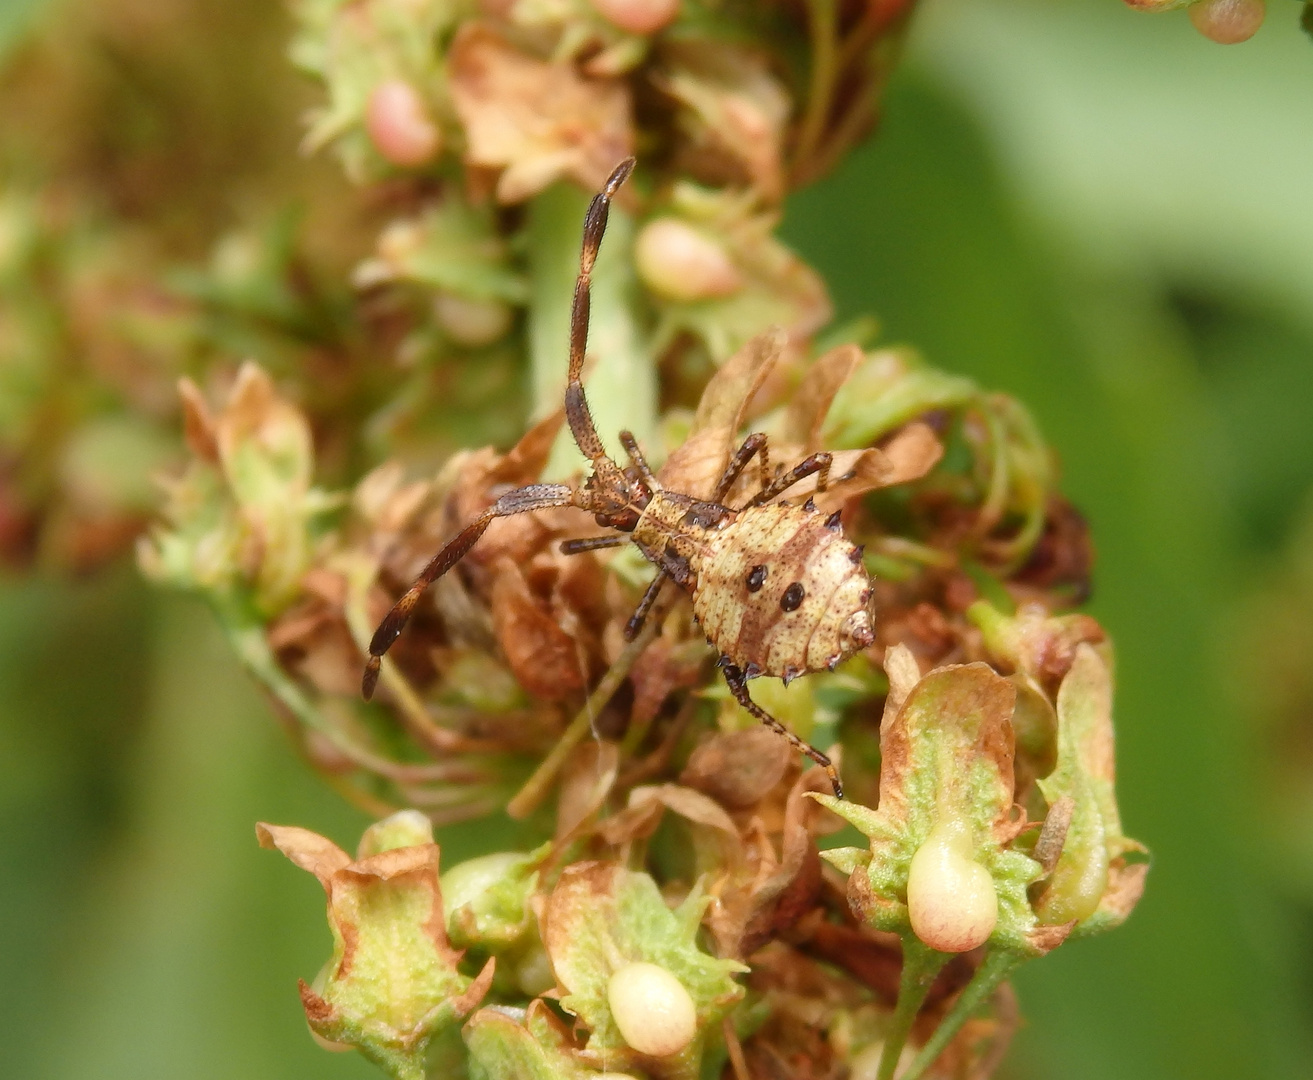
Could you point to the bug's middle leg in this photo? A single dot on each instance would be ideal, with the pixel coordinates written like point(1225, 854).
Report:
point(753, 446)
point(818, 464)
point(635, 624)
point(738, 686)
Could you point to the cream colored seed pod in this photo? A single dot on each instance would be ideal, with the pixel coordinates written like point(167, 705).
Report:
point(653, 1011)
point(950, 897)
point(678, 262)
point(471, 321)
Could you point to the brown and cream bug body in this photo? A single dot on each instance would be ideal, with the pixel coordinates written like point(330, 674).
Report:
point(781, 593)
point(777, 589)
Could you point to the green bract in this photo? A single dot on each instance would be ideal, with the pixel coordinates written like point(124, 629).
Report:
point(516, 1044)
point(487, 898)
point(243, 520)
point(391, 989)
point(947, 762)
point(1091, 882)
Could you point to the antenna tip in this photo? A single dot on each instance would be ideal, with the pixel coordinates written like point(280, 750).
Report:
point(370, 679)
point(620, 174)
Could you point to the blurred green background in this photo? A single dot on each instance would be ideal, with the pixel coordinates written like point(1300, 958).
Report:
point(1098, 211)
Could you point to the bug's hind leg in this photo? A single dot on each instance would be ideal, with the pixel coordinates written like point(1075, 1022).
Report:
point(738, 686)
point(817, 463)
point(520, 501)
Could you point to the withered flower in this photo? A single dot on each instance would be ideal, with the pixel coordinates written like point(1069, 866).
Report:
point(733, 112)
point(535, 119)
point(245, 517)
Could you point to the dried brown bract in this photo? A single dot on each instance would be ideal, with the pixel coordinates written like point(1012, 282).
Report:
point(535, 119)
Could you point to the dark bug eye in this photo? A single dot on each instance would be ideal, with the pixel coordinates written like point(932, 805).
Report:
point(792, 598)
point(756, 578)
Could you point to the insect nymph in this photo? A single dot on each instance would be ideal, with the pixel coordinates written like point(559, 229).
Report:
point(777, 589)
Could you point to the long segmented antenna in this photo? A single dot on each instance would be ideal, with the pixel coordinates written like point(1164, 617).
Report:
point(577, 415)
point(520, 501)
point(606, 472)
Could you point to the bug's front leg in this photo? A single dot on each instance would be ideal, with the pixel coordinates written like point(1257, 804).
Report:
point(593, 543)
point(738, 686)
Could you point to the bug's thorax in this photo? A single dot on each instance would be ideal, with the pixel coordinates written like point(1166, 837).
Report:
point(781, 592)
point(676, 530)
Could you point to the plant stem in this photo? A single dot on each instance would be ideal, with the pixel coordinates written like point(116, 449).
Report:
point(998, 966)
point(823, 23)
point(920, 966)
point(245, 631)
point(622, 389)
point(536, 787)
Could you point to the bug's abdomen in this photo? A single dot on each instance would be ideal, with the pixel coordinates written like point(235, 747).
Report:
point(780, 593)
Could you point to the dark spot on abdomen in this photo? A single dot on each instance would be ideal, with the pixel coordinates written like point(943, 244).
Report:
point(792, 598)
point(756, 578)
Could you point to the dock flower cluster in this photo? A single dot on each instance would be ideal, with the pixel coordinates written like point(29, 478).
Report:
point(674, 908)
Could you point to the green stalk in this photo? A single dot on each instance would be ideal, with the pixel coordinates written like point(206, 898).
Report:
point(245, 630)
point(823, 24)
point(920, 966)
point(998, 966)
point(535, 789)
point(622, 390)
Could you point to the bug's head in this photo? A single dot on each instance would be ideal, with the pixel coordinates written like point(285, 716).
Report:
point(616, 505)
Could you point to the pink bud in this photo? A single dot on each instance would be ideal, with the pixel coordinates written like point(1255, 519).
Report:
point(638, 16)
point(399, 124)
point(1228, 22)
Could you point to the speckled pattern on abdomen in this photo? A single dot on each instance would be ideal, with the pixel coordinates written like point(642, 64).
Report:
point(795, 546)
